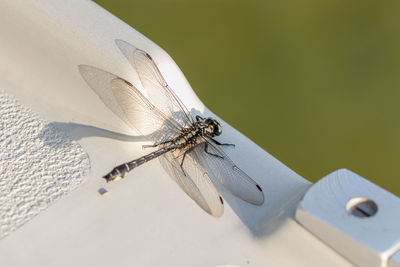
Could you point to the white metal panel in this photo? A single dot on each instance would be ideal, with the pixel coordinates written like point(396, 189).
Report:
point(356, 217)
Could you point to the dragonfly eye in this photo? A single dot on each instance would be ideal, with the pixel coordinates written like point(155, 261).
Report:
point(218, 130)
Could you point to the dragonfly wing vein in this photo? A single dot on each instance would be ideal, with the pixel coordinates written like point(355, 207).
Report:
point(142, 114)
point(195, 181)
point(160, 94)
point(125, 101)
point(223, 170)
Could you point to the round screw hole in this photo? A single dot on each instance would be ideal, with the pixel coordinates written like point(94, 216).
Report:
point(362, 207)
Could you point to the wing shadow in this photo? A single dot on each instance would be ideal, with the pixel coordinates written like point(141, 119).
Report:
point(77, 131)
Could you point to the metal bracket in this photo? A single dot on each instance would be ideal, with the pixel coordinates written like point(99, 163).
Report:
point(355, 217)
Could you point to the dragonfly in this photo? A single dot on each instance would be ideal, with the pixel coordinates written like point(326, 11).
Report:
point(185, 145)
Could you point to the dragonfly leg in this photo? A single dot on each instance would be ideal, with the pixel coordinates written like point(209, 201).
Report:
point(220, 144)
point(183, 158)
point(199, 118)
point(215, 155)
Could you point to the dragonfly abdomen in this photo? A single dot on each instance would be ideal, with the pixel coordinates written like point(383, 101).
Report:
point(120, 171)
point(137, 162)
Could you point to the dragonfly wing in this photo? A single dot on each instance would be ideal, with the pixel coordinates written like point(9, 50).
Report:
point(160, 94)
point(224, 171)
point(194, 181)
point(128, 103)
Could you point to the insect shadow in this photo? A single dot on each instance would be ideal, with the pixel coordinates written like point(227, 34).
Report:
point(78, 131)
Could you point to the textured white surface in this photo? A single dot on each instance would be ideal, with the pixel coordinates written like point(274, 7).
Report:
point(38, 164)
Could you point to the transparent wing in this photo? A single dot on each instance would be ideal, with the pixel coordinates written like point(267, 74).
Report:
point(160, 94)
point(224, 171)
point(196, 183)
point(126, 101)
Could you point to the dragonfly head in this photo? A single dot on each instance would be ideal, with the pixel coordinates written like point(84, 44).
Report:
point(214, 126)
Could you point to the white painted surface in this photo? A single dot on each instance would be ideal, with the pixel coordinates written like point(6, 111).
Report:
point(146, 220)
point(366, 241)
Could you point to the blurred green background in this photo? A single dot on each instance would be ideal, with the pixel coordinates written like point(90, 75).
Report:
point(315, 83)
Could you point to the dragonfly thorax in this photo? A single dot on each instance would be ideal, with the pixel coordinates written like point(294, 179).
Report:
point(205, 127)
